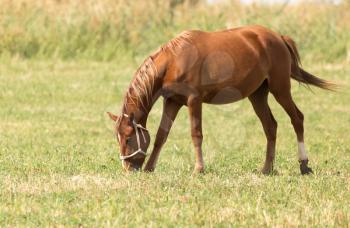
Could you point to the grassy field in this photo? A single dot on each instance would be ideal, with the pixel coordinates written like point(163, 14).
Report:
point(59, 166)
point(63, 64)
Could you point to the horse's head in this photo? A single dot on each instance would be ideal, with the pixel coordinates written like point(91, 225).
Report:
point(133, 140)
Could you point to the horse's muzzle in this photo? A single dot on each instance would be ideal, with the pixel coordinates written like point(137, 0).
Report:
point(130, 166)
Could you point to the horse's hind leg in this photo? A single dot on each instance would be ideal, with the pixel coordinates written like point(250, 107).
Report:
point(284, 98)
point(262, 110)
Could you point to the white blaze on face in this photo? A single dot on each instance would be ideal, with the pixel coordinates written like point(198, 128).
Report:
point(124, 165)
point(118, 135)
point(123, 162)
point(302, 151)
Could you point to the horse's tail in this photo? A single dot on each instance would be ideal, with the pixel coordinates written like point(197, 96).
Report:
point(301, 75)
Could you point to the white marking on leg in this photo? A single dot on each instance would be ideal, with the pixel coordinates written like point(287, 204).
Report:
point(118, 137)
point(302, 151)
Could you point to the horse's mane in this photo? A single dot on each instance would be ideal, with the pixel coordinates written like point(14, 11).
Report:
point(141, 87)
point(180, 42)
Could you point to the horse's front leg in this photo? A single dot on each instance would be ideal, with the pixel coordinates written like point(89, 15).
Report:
point(195, 110)
point(170, 110)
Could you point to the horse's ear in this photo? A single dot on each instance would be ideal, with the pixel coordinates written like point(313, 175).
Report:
point(131, 119)
point(112, 116)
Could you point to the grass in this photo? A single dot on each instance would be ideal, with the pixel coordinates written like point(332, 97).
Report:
point(63, 64)
point(59, 165)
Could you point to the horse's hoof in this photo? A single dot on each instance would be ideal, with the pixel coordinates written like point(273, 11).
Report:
point(266, 171)
point(304, 169)
point(197, 174)
point(198, 170)
point(148, 170)
point(269, 172)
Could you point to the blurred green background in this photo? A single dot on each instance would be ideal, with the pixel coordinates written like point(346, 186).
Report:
point(117, 29)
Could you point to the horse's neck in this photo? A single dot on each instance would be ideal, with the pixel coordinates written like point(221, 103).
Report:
point(140, 112)
point(140, 102)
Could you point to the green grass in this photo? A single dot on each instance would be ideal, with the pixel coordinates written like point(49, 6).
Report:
point(63, 64)
point(59, 161)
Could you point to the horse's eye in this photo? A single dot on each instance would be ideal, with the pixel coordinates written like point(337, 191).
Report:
point(127, 140)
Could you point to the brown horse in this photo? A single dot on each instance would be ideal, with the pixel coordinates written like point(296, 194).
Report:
point(216, 68)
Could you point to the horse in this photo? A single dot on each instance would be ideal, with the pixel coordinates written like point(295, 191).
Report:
point(218, 67)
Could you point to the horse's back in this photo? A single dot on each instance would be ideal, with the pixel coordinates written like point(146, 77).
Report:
point(238, 58)
point(246, 46)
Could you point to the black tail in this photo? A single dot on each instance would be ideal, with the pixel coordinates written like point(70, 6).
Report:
point(301, 75)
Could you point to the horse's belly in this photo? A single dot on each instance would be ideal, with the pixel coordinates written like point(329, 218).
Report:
point(223, 96)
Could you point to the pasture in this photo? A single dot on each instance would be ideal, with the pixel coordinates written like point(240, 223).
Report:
point(59, 161)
